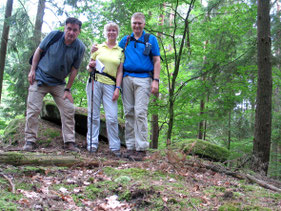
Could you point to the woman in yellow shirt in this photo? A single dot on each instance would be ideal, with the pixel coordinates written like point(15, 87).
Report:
point(106, 90)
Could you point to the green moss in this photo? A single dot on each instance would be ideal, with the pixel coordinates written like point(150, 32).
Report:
point(24, 186)
point(8, 199)
point(133, 172)
point(255, 208)
point(203, 149)
point(14, 157)
point(51, 133)
point(31, 170)
point(11, 133)
point(13, 127)
point(125, 195)
point(94, 191)
point(248, 188)
point(44, 142)
point(122, 179)
point(229, 207)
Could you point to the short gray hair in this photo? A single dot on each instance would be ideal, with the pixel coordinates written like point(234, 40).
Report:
point(138, 15)
point(107, 26)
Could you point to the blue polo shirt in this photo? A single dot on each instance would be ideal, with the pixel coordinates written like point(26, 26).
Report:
point(135, 60)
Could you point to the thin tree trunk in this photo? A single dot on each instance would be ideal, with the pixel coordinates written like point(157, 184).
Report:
point(205, 122)
point(4, 42)
point(154, 117)
point(201, 123)
point(229, 131)
point(154, 127)
point(262, 135)
point(38, 27)
point(38, 23)
point(178, 56)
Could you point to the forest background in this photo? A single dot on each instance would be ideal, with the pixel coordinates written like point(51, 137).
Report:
point(209, 72)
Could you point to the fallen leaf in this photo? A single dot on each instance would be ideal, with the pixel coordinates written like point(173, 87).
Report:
point(63, 190)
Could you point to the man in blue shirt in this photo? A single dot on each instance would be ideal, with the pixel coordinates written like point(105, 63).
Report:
point(141, 78)
point(47, 75)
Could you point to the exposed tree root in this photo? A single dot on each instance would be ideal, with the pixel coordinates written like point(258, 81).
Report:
point(13, 189)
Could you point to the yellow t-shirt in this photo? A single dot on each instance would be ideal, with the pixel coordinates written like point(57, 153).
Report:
point(111, 58)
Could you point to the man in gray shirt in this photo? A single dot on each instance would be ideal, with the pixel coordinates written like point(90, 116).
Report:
point(47, 75)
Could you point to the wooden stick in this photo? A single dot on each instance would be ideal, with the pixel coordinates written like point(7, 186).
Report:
point(13, 189)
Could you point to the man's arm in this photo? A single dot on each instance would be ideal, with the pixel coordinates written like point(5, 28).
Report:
point(35, 61)
point(156, 75)
point(72, 76)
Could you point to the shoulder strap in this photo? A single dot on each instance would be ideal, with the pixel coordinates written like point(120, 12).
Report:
point(57, 36)
point(146, 37)
point(127, 43)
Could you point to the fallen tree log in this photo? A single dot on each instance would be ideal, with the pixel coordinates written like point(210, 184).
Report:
point(239, 175)
point(39, 159)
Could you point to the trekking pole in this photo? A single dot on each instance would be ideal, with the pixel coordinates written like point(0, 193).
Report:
point(92, 78)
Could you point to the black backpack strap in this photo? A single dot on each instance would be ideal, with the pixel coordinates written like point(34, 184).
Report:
point(146, 37)
point(127, 43)
point(57, 36)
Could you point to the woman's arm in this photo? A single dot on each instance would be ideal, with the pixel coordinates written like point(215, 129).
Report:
point(119, 77)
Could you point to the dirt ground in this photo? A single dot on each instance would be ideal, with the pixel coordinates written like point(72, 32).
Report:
point(163, 181)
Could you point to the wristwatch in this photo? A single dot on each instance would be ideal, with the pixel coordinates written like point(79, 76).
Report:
point(67, 90)
point(156, 79)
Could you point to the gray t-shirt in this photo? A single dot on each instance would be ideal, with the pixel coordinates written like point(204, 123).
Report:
point(55, 66)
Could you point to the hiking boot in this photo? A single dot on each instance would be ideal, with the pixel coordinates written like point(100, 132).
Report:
point(138, 156)
point(117, 153)
point(29, 146)
point(128, 153)
point(71, 147)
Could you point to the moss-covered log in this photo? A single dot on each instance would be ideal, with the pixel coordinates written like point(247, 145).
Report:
point(39, 159)
point(202, 149)
point(51, 113)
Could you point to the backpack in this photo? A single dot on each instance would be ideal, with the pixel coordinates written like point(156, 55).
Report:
point(148, 46)
point(57, 36)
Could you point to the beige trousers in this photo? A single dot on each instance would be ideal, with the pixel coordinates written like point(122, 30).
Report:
point(136, 94)
point(34, 106)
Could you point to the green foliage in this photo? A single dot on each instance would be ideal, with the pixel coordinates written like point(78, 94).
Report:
point(214, 64)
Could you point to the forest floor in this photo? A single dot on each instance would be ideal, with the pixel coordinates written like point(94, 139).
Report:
point(163, 181)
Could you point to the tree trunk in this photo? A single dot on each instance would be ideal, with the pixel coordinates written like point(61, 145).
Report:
point(38, 23)
point(229, 131)
point(262, 135)
point(4, 42)
point(201, 123)
point(178, 56)
point(154, 127)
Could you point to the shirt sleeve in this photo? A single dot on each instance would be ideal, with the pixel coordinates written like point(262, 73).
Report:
point(122, 42)
point(81, 52)
point(96, 53)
